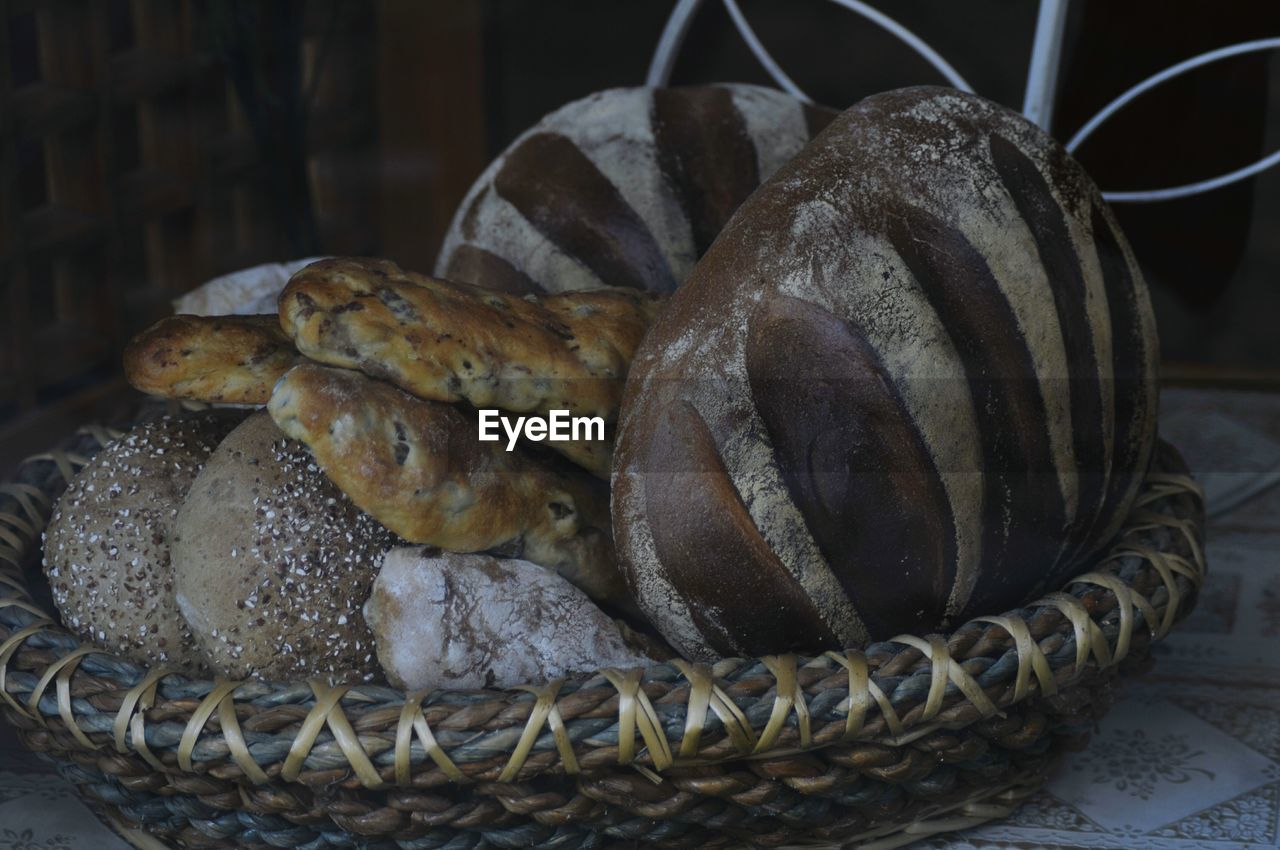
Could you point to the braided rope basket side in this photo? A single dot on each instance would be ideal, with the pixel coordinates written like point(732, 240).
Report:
point(908, 738)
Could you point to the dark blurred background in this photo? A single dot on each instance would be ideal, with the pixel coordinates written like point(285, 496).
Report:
point(149, 145)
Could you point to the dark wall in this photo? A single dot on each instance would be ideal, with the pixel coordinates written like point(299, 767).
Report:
point(1211, 260)
point(541, 54)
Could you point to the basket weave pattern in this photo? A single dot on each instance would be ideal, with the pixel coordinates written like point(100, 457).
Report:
point(876, 748)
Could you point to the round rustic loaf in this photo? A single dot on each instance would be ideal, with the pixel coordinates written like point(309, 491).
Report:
point(912, 382)
point(626, 187)
point(272, 563)
point(107, 545)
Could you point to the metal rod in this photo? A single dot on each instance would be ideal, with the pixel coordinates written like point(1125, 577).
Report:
point(1197, 188)
point(910, 39)
point(1046, 60)
point(669, 44)
point(1167, 74)
point(1200, 186)
point(762, 55)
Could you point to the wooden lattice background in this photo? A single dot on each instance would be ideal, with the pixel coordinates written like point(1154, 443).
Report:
point(132, 171)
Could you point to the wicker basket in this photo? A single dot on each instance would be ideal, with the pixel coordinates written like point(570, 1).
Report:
point(909, 738)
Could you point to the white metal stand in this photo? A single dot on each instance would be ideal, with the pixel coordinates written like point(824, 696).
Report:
point(1042, 77)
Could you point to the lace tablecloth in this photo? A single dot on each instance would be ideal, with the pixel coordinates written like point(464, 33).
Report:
point(1188, 758)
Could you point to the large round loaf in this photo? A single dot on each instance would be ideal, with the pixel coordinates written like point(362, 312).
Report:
point(912, 382)
point(626, 187)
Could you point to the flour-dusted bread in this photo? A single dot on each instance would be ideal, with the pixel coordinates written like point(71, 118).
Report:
point(272, 563)
point(444, 620)
point(246, 292)
point(107, 545)
point(626, 187)
point(214, 359)
point(912, 381)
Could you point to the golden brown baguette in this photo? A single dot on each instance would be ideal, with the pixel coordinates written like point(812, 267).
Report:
point(448, 341)
point(229, 359)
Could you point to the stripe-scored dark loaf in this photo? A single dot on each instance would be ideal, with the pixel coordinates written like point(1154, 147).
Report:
point(912, 382)
point(627, 187)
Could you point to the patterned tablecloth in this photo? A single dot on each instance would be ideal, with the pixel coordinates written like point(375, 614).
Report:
point(1188, 758)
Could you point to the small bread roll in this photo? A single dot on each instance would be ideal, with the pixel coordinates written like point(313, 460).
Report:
point(272, 563)
point(106, 549)
point(445, 620)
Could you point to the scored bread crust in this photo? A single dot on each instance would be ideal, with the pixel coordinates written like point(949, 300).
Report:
point(216, 359)
point(418, 467)
point(448, 341)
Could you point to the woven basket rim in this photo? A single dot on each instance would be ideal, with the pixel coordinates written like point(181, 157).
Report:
point(684, 714)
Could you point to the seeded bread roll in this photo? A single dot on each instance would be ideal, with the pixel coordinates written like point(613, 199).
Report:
point(272, 563)
point(107, 547)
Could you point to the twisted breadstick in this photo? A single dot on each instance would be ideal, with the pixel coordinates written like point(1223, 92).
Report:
point(231, 359)
point(447, 341)
point(417, 467)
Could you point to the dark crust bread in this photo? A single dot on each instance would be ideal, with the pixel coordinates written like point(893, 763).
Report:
point(626, 187)
point(216, 359)
point(923, 358)
point(448, 341)
point(418, 468)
